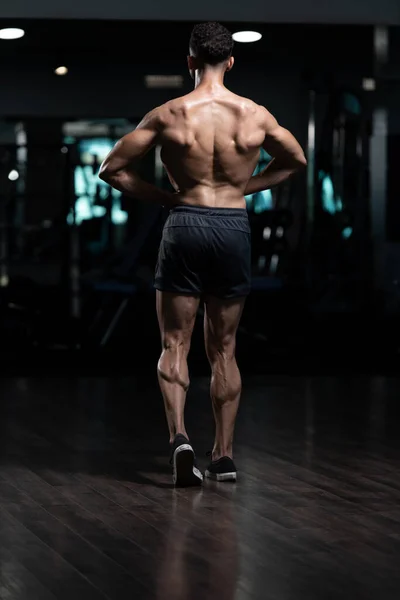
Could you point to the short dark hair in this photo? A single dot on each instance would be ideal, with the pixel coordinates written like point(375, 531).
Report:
point(211, 42)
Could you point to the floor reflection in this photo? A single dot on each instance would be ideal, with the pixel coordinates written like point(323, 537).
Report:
point(200, 558)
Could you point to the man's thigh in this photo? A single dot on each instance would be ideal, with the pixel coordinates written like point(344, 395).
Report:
point(176, 315)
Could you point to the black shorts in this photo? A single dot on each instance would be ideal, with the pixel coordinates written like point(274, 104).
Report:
point(205, 251)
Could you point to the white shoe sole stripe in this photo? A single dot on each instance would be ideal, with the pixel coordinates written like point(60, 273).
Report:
point(221, 476)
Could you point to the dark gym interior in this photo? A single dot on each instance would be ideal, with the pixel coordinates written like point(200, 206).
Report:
point(87, 507)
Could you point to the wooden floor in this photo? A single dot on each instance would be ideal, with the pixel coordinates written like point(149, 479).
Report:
point(87, 509)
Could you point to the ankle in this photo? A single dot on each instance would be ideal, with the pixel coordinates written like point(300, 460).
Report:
point(218, 453)
point(178, 432)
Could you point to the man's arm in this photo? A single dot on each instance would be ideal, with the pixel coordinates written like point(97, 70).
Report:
point(287, 157)
point(118, 167)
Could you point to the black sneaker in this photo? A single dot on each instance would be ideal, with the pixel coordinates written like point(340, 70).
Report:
point(183, 460)
point(221, 470)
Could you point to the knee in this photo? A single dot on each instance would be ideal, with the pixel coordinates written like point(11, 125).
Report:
point(222, 351)
point(172, 366)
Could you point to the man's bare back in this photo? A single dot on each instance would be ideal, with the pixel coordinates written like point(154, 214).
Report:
point(210, 143)
point(210, 146)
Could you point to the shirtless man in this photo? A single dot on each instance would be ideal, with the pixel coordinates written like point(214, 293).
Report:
point(211, 140)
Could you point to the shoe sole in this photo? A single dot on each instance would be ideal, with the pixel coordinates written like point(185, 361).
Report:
point(185, 474)
point(221, 476)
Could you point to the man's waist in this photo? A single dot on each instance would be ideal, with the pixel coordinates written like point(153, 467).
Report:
point(223, 211)
point(212, 196)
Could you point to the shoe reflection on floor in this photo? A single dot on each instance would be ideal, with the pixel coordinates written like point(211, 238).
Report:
point(195, 564)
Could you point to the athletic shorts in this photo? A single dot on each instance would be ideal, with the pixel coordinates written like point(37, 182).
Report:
point(205, 251)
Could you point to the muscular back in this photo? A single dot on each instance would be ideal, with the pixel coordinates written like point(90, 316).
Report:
point(210, 143)
point(210, 146)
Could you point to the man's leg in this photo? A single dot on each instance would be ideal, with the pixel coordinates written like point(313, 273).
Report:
point(176, 317)
point(221, 321)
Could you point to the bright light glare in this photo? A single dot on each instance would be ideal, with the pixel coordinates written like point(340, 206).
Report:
point(369, 85)
point(247, 36)
point(61, 71)
point(13, 175)
point(267, 233)
point(11, 33)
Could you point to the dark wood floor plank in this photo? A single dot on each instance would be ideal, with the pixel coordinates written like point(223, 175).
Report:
point(359, 484)
point(111, 541)
point(46, 565)
point(73, 513)
point(29, 483)
point(215, 541)
point(304, 479)
point(147, 524)
point(16, 582)
point(104, 574)
point(88, 506)
point(157, 519)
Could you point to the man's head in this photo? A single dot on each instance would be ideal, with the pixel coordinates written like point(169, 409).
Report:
point(211, 44)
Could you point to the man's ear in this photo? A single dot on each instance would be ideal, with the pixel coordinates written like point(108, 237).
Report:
point(191, 62)
point(230, 63)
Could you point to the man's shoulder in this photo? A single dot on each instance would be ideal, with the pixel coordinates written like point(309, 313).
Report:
point(165, 112)
point(261, 115)
point(249, 107)
point(244, 101)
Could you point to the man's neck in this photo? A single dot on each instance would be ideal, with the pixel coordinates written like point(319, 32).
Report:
point(209, 78)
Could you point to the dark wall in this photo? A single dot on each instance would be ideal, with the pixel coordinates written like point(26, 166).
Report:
point(107, 73)
point(284, 11)
point(120, 92)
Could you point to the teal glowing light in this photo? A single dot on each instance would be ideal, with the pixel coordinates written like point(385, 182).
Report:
point(352, 104)
point(328, 194)
point(261, 201)
point(87, 185)
point(330, 202)
point(346, 233)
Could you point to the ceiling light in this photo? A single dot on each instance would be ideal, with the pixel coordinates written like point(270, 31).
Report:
point(13, 175)
point(369, 85)
point(61, 71)
point(11, 33)
point(247, 36)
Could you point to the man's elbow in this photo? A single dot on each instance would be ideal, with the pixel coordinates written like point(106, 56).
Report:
point(105, 173)
point(301, 162)
point(295, 162)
